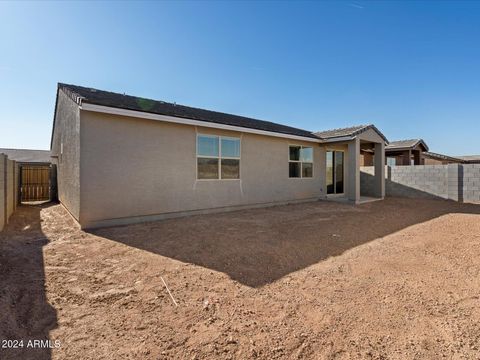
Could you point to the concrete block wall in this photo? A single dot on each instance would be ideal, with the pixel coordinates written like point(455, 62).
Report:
point(8, 189)
point(471, 183)
point(454, 181)
point(366, 180)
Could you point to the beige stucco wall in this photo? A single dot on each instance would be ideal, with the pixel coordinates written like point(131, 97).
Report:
point(67, 132)
point(134, 168)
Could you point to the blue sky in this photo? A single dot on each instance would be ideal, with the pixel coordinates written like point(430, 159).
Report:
point(411, 68)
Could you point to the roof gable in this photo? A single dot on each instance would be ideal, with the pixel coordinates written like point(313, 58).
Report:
point(407, 144)
point(349, 132)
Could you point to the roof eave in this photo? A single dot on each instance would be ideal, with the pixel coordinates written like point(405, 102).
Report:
point(86, 106)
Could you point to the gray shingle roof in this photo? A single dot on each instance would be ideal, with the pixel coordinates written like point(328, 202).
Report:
point(348, 132)
point(27, 156)
point(82, 94)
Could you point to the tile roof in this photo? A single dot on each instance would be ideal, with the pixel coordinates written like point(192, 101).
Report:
point(403, 144)
point(348, 132)
point(470, 158)
point(82, 94)
point(27, 156)
point(441, 156)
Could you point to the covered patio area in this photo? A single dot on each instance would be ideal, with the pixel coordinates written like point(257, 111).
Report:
point(343, 148)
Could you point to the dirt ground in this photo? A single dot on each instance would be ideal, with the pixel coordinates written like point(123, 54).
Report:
point(398, 279)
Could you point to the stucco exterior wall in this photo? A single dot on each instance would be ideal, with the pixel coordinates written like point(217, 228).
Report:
point(132, 169)
point(366, 158)
point(429, 161)
point(66, 153)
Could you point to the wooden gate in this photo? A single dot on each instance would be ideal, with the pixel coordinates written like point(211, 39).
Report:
point(35, 183)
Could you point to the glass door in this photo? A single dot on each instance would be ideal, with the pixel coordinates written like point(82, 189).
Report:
point(335, 171)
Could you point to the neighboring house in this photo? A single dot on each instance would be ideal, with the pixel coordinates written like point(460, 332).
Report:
point(431, 158)
point(123, 159)
point(405, 152)
point(26, 156)
point(469, 159)
point(35, 176)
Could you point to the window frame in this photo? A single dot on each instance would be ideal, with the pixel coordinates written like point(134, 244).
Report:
point(301, 162)
point(219, 157)
point(394, 158)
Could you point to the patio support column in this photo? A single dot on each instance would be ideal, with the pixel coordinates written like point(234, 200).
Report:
point(379, 179)
point(354, 170)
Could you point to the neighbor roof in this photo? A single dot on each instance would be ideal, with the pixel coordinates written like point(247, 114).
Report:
point(441, 156)
point(82, 94)
point(348, 132)
point(27, 156)
point(469, 158)
point(406, 144)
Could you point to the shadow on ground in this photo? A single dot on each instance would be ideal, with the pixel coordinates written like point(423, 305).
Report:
point(259, 246)
point(25, 313)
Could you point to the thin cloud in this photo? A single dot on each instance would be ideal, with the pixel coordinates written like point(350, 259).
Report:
point(355, 5)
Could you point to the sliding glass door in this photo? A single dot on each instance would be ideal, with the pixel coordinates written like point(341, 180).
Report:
point(335, 170)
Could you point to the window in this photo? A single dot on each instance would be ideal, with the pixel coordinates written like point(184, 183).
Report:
point(218, 157)
point(300, 161)
point(391, 161)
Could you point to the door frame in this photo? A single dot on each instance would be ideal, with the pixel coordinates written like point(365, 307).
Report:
point(335, 194)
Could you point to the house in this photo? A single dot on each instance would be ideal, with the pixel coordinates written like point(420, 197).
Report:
point(405, 152)
point(122, 159)
point(431, 158)
point(27, 156)
point(469, 159)
point(34, 174)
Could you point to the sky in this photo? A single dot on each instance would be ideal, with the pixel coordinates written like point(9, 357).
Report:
point(411, 68)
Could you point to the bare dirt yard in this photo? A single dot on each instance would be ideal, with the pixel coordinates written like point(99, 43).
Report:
point(398, 279)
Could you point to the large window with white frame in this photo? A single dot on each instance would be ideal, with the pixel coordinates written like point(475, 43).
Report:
point(300, 161)
point(218, 157)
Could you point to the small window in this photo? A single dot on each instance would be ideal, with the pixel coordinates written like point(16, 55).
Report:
point(300, 161)
point(391, 161)
point(218, 157)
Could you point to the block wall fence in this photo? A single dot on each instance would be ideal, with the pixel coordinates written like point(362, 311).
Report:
point(8, 189)
point(458, 182)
